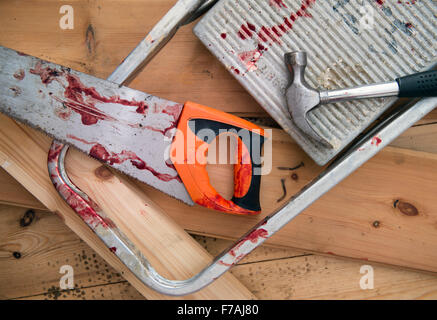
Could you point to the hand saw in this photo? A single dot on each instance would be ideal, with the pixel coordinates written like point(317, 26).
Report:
point(132, 131)
point(358, 153)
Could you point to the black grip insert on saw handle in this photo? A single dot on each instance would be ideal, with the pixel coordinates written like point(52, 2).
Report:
point(247, 176)
point(423, 84)
point(199, 126)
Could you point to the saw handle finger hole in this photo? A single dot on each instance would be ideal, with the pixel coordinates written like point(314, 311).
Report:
point(203, 135)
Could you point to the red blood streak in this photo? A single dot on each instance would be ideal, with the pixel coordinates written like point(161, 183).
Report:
point(256, 235)
point(235, 70)
point(242, 172)
point(250, 58)
point(225, 264)
point(19, 75)
point(251, 27)
point(82, 100)
point(217, 202)
point(272, 34)
point(223, 35)
point(253, 237)
point(99, 152)
point(113, 249)
point(46, 74)
point(70, 136)
point(380, 2)
point(277, 3)
point(246, 30)
point(267, 33)
point(175, 112)
point(376, 141)
point(83, 209)
point(54, 152)
point(261, 48)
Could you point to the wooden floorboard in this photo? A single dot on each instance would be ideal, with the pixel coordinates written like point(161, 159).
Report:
point(104, 34)
point(270, 273)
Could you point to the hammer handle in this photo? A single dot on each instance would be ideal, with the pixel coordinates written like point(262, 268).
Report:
point(378, 90)
point(423, 84)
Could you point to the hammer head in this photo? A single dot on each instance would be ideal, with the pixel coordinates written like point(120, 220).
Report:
point(301, 98)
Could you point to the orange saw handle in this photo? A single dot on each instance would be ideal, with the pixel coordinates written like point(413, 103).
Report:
point(198, 127)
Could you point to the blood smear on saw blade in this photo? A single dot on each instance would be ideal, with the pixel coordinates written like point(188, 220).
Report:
point(127, 129)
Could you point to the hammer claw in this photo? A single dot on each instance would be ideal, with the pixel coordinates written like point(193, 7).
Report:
point(301, 98)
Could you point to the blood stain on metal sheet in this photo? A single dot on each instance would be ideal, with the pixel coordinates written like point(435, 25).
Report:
point(19, 75)
point(277, 3)
point(250, 58)
point(380, 2)
point(237, 71)
point(246, 30)
point(269, 35)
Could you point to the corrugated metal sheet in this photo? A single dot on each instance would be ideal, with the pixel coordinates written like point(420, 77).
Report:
point(345, 49)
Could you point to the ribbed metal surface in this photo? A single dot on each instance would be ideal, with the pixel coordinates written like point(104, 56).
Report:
point(250, 38)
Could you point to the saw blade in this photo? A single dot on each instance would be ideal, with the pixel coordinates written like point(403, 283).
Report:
point(129, 130)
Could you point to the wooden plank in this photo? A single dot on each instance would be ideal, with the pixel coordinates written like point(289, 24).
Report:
point(13, 193)
point(359, 218)
point(41, 248)
point(111, 291)
point(105, 33)
point(184, 70)
point(343, 222)
point(418, 138)
point(273, 273)
point(317, 277)
point(24, 156)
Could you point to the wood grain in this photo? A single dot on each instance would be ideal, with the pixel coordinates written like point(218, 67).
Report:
point(365, 217)
point(23, 155)
point(183, 70)
point(356, 219)
point(46, 244)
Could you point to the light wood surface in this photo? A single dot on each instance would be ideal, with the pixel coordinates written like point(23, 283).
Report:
point(23, 154)
point(187, 254)
point(105, 32)
point(46, 244)
point(357, 219)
